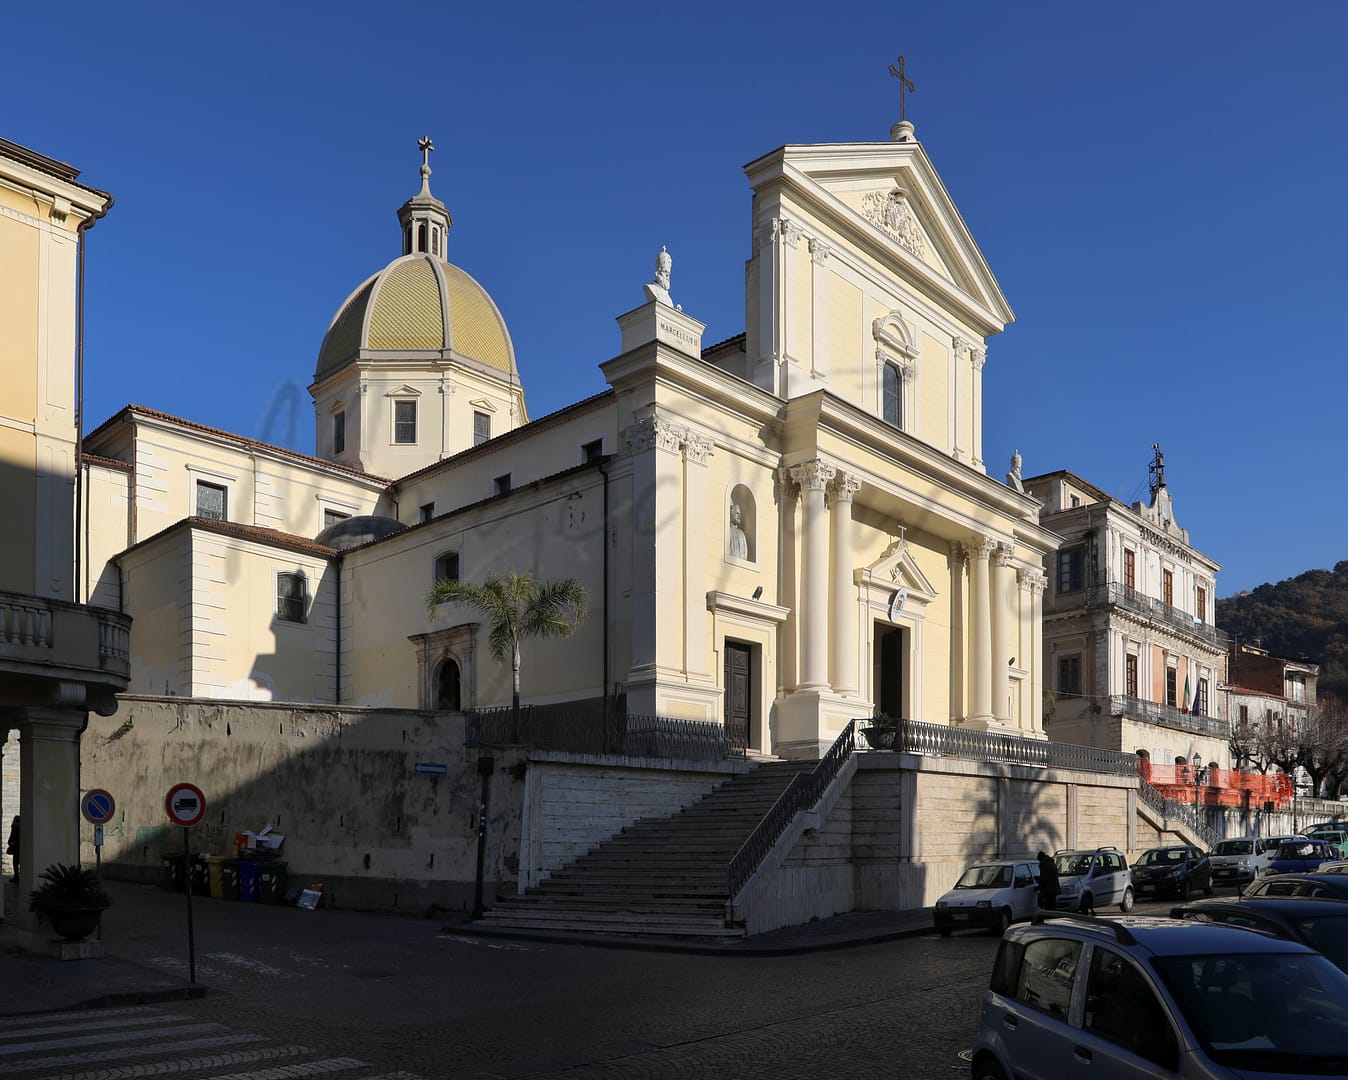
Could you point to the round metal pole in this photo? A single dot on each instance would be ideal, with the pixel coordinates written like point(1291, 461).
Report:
point(187, 890)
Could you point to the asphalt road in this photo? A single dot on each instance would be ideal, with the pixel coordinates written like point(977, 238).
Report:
point(329, 993)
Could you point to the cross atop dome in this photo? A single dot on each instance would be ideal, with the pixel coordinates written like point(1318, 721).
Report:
point(424, 219)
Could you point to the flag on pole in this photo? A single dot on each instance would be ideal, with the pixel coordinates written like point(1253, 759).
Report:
point(1197, 705)
point(1184, 701)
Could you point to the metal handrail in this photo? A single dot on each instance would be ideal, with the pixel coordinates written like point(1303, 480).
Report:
point(1172, 808)
point(803, 792)
point(1167, 716)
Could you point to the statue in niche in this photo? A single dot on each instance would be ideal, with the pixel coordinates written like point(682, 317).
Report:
point(739, 543)
point(659, 288)
point(1013, 477)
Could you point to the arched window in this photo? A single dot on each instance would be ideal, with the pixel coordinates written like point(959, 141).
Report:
point(447, 687)
point(421, 236)
point(891, 396)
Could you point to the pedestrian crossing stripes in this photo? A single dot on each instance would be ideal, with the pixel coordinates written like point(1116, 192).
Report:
point(144, 1041)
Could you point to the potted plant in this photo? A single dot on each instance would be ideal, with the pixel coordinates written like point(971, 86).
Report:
point(882, 731)
point(70, 898)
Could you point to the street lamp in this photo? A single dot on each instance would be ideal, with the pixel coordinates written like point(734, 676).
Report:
point(1198, 764)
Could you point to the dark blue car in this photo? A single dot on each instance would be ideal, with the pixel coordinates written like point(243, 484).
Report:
point(1300, 857)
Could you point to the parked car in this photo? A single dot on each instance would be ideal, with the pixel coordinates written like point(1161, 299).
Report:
point(1333, 886)
point(1233, 861)
point(1090, 879)
point(1340, 867)
point(1179, 869)
point(1322, 924)
point(1326, 826)
point(1300, 857)
point(1133, 997)
point(1267, 847)
point(991, 895)
point(1335, 838)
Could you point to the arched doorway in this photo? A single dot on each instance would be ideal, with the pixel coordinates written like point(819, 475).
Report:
point(448, 689)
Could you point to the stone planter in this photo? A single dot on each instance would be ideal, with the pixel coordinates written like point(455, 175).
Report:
point(75, 924)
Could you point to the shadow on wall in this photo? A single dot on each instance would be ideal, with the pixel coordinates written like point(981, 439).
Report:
point(1027, 816)
point(381, 806)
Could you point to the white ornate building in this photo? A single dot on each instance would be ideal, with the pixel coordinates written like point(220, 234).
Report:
point(872, 564)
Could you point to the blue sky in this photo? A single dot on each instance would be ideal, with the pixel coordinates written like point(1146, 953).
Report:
point(1159, 189)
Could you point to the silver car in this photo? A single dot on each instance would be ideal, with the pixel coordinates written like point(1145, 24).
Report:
point(1093, 878)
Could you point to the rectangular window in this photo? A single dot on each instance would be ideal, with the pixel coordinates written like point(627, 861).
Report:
point(892, 403)
point(1167, 588)
point(338, 432)
point(1201, 604)
point(1244, 716)
point(1202, 709)
point(1071, 570)
point(447, 566)
point(1047, 974)
point(405, 422)
point(212, 501)
point(1298, 687)
point(1171, 689)
point(1130, 675)
point(502, 484)
point(426, 512)
point(592, 451)
point(481, 428)
point(1122, 1007)
point(1069, 675)
point(1129, 569)
point(291, 597)
point(331, 517)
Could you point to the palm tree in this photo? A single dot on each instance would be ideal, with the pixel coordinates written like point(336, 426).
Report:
point(517, 606)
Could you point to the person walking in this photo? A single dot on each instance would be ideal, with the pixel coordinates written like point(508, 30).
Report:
point(12, 844)
point(1048, 882)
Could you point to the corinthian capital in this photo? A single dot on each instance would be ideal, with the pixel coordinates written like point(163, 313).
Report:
point(813, 475)
point(845, 486)
point(697, 448)
point(1033, 581)
point(1003, 554)
point(655, 431)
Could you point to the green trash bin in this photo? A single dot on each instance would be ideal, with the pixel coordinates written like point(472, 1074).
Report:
point(229, 879)
point(272, 882)
point(174, 877)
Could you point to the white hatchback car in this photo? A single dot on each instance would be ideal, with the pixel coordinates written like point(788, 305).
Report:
point(990, 895)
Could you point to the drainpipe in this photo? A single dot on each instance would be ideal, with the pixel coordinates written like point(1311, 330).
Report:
point(80, 229)
point(603, 471)
point(337, 659)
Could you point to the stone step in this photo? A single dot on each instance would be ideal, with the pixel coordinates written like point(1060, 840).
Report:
point(581, 922)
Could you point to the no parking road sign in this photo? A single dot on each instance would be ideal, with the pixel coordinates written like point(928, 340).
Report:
point(185, 804)
point(97, 806)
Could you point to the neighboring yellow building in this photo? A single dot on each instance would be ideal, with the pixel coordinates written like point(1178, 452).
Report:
point(780, 533)
point(59, 660)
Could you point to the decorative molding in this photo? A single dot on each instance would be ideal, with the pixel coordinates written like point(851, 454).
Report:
point(655, 432)
point(889, 212)
point(902, 364)
point(892, 332)
point(1003, 554)
point(697, 448)
point(845, 486)
point(980, 547)
point(790, 233)
point(1032, 580)
point(979, 357)
point(813, 475)
point(820, 250)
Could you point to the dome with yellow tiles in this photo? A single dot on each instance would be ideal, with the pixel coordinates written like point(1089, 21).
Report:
point(422, 306)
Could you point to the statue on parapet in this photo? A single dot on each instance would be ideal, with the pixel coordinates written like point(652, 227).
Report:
point(659, 288)
point(1013, 477)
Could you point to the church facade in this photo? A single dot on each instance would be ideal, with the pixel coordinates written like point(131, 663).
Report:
point(779, 533)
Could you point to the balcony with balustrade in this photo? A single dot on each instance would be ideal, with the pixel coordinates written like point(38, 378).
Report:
point(44, 640)
point(1168, 716)
point(1113, 594)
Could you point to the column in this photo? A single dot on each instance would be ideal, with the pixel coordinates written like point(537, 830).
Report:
point(49, 793)
point(981, 611)
point(696, 450)
point(844, 669)
point(813, 477)
point(959, 633)
point(657, 485)
point(1002, 573)
point(1035, 582)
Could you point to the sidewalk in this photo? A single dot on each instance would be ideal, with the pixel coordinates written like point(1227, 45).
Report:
point(136, 933)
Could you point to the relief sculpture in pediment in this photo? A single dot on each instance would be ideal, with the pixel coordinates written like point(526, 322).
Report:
point(889, 211)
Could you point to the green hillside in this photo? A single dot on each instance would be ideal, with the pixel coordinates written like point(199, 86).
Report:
point(1301, 617)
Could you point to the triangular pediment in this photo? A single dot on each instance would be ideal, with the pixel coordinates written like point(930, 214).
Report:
point(888, 198)
point(898, 569)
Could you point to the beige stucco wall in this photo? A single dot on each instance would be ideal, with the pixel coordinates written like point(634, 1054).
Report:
point(342, 787)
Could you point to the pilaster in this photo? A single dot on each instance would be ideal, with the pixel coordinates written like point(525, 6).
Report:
point(1002, 575)
point(981, 610)
point(813, 477)
point(845, 669)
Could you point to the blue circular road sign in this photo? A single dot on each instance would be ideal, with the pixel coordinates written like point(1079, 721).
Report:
point(97, 806)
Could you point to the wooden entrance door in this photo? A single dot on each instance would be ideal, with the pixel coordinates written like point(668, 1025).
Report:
point(738, 692)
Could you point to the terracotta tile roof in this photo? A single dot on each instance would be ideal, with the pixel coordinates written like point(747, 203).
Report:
point(730, 342)
point(271, 537)
point(241, 440)
point(106, 462)
point(59, 169)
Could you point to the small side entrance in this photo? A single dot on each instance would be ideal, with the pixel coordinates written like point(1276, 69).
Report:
point(888, 670)
point(738, 683)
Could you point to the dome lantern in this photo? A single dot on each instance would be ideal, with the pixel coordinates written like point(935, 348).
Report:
point(424, 219)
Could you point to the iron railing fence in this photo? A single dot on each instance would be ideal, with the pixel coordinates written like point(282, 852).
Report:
point(917, 737)
point(1173, 808)
point(803, 792)
point(587, 727)
point(1119, 595)
point(1168, 716)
